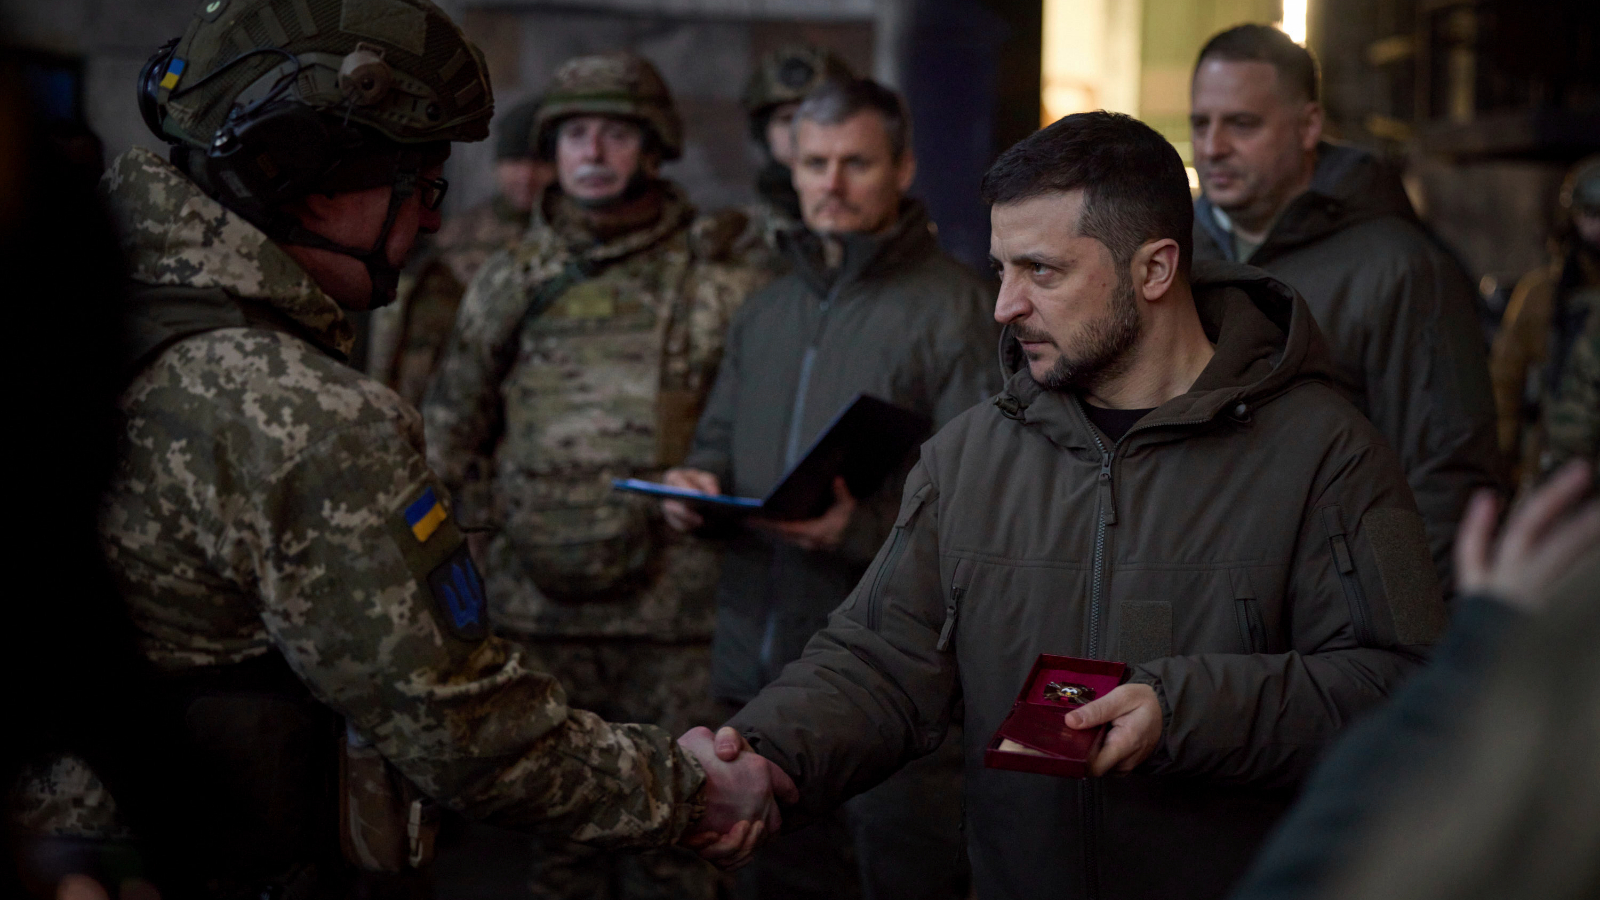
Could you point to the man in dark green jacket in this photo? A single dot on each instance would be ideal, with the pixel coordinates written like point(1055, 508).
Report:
point(872, 307)
point(1336, 225)
point(1168, 479)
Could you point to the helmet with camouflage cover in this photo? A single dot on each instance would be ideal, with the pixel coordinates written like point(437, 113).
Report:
point(788, 74)
point(1580, 191)
point(268, 101)
point(620, 84)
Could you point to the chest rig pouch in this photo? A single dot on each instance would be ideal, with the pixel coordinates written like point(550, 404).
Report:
point(587, 402)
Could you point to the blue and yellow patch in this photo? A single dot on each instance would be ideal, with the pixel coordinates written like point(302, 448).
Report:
point(425, 515)
point(174, 72)
point(458, 591)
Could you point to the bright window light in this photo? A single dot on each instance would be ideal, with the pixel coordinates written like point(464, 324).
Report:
point(1295, 13)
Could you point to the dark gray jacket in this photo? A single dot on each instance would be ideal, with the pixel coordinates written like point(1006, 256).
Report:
point(1250, 547)
point(1399, 318)
point(899, 320)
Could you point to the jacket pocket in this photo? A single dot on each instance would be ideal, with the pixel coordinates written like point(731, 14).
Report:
point(882, 568)
point(1247, 610)
point(1344, 561)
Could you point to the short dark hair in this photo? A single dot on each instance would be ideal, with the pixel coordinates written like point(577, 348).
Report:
point(1134, 187)
point(836, 100)
point(1297, 68)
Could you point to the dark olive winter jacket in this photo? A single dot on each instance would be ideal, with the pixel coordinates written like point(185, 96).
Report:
point(1399, 318)
point(1250, 548)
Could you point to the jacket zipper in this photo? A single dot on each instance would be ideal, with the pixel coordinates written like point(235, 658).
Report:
point(890, 559)
point(1106, 514)
point(1089, 798)
point(793, 449)
point(952, 609)
point(1345, 562)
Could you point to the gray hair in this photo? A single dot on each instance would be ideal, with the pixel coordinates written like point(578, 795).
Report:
point(835, 101)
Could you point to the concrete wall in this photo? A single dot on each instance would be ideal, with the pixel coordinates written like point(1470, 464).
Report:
point(705, 49)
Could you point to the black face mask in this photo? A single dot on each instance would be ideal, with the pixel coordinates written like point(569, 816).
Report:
point(775, 184)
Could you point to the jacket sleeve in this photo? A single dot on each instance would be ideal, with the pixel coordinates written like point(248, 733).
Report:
point(872, 691)
point(344, 582)
point(1518, 345)
point(1429, 392)
point(1361, 606)
point(461, 410)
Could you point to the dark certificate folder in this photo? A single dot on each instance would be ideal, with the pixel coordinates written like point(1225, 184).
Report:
point(866, 441)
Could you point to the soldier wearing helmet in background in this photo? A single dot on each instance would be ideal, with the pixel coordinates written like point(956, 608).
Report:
point(781, 80)
point(1544, 358)
point(582, 355)
point(296, 576)
point(407, 336)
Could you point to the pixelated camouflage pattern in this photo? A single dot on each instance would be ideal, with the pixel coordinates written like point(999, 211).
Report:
point(407, 336)
point(62, 797)
point(1572, 412)
point(260, 504)
point(608, 383)
point(634, 681)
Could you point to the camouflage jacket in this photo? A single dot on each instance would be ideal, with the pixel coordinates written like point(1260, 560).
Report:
point(530, 418)
point(1572, 409)
point(407, 336)
point(271, 497)
point(757, 245)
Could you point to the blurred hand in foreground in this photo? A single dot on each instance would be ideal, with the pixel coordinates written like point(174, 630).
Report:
point(1543, 539)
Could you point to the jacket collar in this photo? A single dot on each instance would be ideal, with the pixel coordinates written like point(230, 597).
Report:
point(172, 233)
point(575, 240)
point(865, 255)
point(1266, 341)
point(1348, 186)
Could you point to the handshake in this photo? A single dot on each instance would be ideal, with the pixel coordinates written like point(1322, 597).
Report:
point(741, 797)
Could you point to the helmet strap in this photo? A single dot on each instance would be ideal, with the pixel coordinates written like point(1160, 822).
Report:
point(384, 275)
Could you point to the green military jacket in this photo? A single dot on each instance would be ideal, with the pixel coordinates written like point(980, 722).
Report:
point(531, 416)
point(271, 498)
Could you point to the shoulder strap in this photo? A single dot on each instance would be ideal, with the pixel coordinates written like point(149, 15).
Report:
point(540, 297)
point(157, 316)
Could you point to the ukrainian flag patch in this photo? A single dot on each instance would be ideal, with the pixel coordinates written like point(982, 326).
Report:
point(174, 72)
point(425, 515)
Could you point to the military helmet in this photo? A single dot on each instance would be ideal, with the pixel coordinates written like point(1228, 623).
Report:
point(1581, 188)
point(618, 84)
point(398, 67)
point(789, 73)
point(515, 138)
point(268, 101)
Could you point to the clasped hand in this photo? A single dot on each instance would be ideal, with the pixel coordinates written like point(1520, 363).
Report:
point(741, 797)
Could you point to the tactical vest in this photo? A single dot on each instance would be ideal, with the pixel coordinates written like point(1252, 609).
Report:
point(589, 396)
point(268, 792)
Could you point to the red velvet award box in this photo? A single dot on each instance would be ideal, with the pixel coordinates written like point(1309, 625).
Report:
point(1037, 720)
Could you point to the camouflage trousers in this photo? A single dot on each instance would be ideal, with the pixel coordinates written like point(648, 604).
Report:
point(628, 680)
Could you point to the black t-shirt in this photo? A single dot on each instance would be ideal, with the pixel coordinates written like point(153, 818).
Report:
point(1113, 422)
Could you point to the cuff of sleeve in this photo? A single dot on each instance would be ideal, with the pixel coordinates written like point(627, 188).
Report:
point(715, 463)
point(692, 808)
point(1162, 755)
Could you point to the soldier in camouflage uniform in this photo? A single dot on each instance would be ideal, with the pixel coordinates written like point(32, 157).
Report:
point(296, 574)
point(582, 355)
point(407, 336)
point(781, 80)
point(1551, 316)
